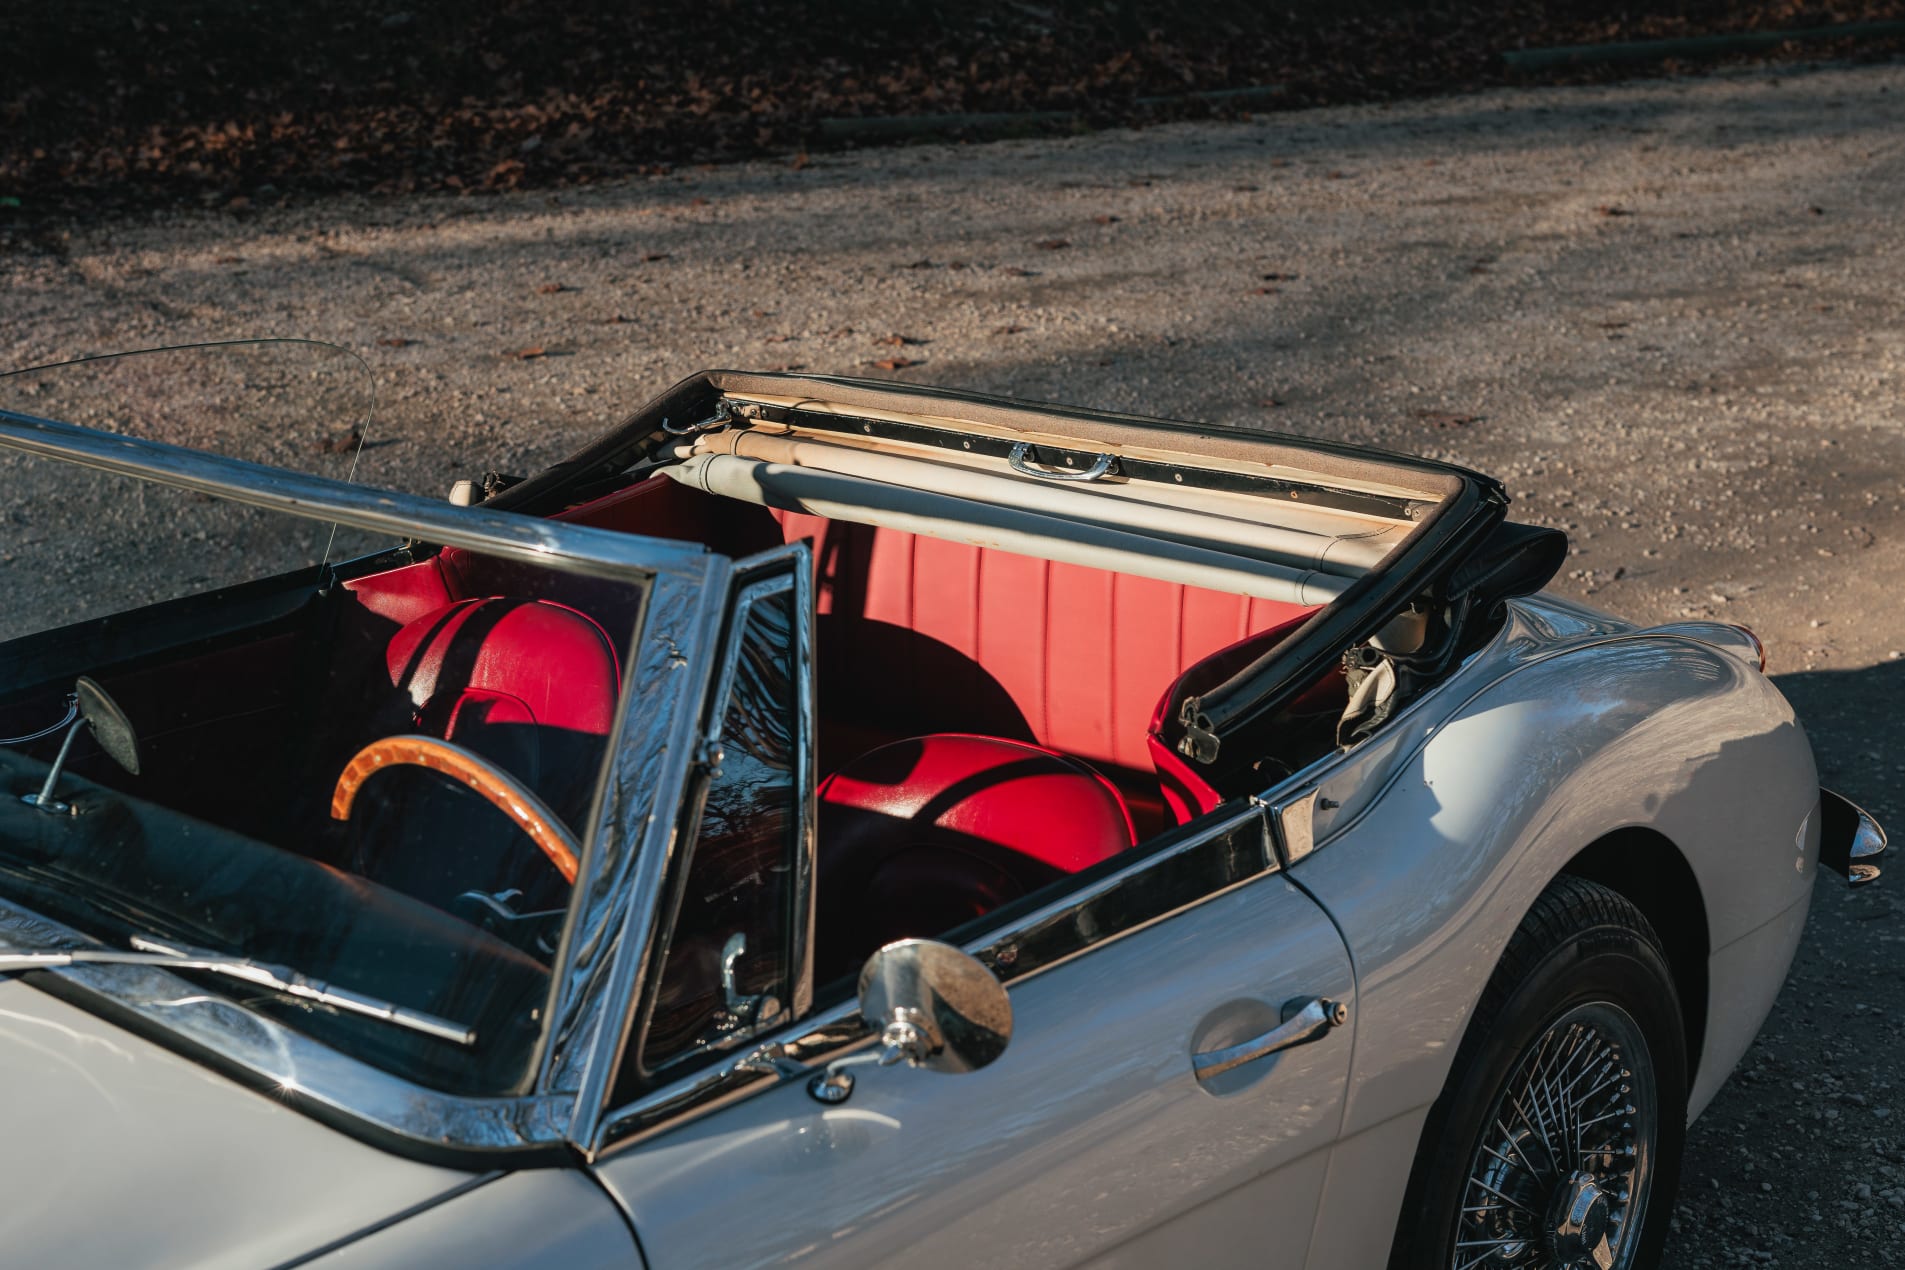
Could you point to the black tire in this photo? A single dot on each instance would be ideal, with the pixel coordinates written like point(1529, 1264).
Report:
point(1582, 956)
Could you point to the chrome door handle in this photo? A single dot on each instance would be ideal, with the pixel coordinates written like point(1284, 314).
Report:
point(1305, 1019)
point(1021, 452)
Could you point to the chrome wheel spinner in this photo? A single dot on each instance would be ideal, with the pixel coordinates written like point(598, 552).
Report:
point(1565, 1151)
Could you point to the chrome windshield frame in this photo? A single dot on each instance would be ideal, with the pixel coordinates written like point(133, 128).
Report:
point(781, 569)
point(623, 863)
point(594, 552)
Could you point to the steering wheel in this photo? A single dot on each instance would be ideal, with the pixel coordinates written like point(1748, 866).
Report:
point(503, 791)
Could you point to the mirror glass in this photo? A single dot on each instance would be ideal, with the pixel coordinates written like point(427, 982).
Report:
point(960, 1012)
point(111, 728)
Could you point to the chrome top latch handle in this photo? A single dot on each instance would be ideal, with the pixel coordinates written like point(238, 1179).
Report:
point(725, 413)
point(1020, 458)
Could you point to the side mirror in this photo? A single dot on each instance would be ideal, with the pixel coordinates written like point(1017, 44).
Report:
point(936, 1007)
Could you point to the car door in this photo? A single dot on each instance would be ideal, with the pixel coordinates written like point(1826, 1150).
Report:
point(1091, 1140)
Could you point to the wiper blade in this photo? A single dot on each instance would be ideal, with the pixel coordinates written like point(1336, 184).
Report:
point(153, 952)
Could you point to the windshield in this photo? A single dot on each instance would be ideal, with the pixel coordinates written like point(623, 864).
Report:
point(375, 771)
point(69, 540)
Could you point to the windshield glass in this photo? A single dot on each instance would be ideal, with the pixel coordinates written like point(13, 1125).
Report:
point(376, 772)
point(71, 542)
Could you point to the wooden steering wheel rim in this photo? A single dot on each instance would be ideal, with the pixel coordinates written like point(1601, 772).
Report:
point(501, 790)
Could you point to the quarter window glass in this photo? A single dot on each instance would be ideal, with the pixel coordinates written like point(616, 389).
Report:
point(727, 974)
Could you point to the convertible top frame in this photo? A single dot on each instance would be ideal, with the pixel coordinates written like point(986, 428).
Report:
point(1456, 510)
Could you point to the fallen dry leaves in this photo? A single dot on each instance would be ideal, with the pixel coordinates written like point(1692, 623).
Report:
point(130, 104)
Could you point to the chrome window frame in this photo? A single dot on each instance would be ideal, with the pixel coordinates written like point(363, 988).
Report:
point(1212, 856)
point(789, 569)
point(624, 857)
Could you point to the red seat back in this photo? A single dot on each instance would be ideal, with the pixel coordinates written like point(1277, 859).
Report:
point(532, 662)
point(1081, 655)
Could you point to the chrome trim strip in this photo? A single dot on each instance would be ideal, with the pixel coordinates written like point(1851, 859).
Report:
point(807, 868)
point(599, 552)
point(1161, 884)
point(289, 1065)
point(622, 877)
point(1230, 851)
point(1295, 825)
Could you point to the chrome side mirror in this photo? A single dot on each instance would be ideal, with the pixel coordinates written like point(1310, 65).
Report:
point(936, 1007)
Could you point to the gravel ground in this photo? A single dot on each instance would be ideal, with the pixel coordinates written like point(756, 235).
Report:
point(1665, 313)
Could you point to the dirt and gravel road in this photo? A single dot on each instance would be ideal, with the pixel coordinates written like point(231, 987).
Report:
point(1667, 314)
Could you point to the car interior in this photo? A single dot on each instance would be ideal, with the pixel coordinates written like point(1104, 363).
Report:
point(987, 721)
point(997, 658)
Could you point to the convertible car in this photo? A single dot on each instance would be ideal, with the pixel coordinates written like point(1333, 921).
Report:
point(844, 823)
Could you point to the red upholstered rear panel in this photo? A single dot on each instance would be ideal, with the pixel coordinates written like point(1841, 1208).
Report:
point(1081, 654)
point(404, 594)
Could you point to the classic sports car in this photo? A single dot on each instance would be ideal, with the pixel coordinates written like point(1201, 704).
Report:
point(608, 868)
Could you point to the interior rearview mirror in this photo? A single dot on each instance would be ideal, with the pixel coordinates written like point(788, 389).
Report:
point(111, 728)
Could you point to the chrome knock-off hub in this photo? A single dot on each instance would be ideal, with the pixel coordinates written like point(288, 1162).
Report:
point(1560, 1176)
point(1580, 1220)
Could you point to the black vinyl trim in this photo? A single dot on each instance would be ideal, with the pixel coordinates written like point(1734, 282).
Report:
point(1223, 728)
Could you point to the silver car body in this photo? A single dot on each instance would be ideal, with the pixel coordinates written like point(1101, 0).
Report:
point(1387, 877)
point(1569, 729)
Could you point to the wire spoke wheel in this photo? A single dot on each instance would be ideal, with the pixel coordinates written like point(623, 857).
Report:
point(1559, 1178)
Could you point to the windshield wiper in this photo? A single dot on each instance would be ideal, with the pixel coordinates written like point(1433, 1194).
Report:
point(152, 952)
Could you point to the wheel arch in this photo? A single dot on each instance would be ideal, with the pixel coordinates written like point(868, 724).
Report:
point(1649, 870)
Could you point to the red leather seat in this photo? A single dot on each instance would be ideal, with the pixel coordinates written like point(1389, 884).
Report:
point(921, 835)
point(529, 685)
point(513, 661)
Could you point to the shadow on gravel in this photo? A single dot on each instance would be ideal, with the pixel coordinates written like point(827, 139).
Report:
point(1795, 1163)
point(1856, 720)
